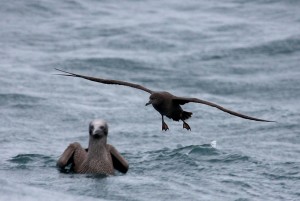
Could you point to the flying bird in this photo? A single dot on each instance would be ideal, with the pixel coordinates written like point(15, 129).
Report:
point(98, 158)
point(164, 102)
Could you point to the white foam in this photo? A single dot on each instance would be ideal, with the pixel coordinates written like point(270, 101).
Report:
point(213, 144)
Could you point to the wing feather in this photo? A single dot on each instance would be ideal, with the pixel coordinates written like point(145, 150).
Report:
point(106, 81)
point(182, 101)
point(119, 162)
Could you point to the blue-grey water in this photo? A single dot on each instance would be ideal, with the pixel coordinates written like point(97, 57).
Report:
point(243, 55)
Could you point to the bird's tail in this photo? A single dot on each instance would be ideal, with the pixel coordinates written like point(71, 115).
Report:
point(186, 115)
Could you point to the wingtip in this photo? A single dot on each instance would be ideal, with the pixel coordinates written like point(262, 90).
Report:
point(57, 69)
point(67, 73)
point(62, 70)
point(63, 74)
point(269, 121)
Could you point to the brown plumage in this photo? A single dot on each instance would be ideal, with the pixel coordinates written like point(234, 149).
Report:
point(165, 103)
point(99, 158)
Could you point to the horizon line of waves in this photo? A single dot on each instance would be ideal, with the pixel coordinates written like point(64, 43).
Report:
point(27, 161)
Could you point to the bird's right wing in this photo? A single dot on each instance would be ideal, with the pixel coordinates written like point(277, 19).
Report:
point(106, 81)
point(182, 101)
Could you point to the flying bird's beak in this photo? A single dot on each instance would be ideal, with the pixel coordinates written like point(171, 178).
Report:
point(150, 102)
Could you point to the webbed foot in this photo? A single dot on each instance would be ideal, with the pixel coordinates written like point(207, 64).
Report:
point(164, 126)
point(186, 126)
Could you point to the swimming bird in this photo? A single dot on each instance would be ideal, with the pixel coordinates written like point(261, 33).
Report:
point(100, 157)
point(164, 102)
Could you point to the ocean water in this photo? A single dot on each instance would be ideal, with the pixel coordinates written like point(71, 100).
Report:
point(243, 55)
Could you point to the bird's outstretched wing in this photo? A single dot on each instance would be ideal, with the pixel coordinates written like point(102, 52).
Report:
point(105, 81)
point(182, 101)
point(119, 162)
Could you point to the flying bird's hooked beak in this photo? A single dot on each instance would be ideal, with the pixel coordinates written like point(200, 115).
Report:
point(150, 102)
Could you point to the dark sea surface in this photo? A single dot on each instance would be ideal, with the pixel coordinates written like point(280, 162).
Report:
point(243, 55)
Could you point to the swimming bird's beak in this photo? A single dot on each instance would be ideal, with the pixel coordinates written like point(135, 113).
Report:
point(150, 102)
point(98, 134)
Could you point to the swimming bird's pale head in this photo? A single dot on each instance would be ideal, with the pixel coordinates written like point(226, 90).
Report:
point(98, 128)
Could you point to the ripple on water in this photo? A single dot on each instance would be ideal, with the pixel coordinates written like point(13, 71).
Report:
point(18, 99)
point(27, 161)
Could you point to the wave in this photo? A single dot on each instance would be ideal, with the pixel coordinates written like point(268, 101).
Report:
point(17, 99)
point(285, 46)
point(27, 161)
point(277, 47)
point(193, 157)
point(142, 42)
point(110, 62)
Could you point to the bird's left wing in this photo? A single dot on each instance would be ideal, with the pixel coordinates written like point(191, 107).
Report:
point(119, 162)
point(182, 101)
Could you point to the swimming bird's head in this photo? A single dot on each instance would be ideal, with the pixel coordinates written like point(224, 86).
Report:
point(155, 99)
point(98, 128)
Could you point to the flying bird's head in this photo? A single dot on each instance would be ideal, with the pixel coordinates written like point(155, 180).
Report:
point(155, 99)
point(98, 129)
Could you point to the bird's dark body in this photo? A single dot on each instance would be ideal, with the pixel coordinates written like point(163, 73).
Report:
point(165, 103)
point(166, 106)
point(176, 114)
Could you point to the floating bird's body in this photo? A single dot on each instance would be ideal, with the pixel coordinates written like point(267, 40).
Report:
point(99, 158)
point(165, 103)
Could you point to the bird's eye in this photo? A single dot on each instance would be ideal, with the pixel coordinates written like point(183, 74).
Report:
point(102, 127)
point(91, 129)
